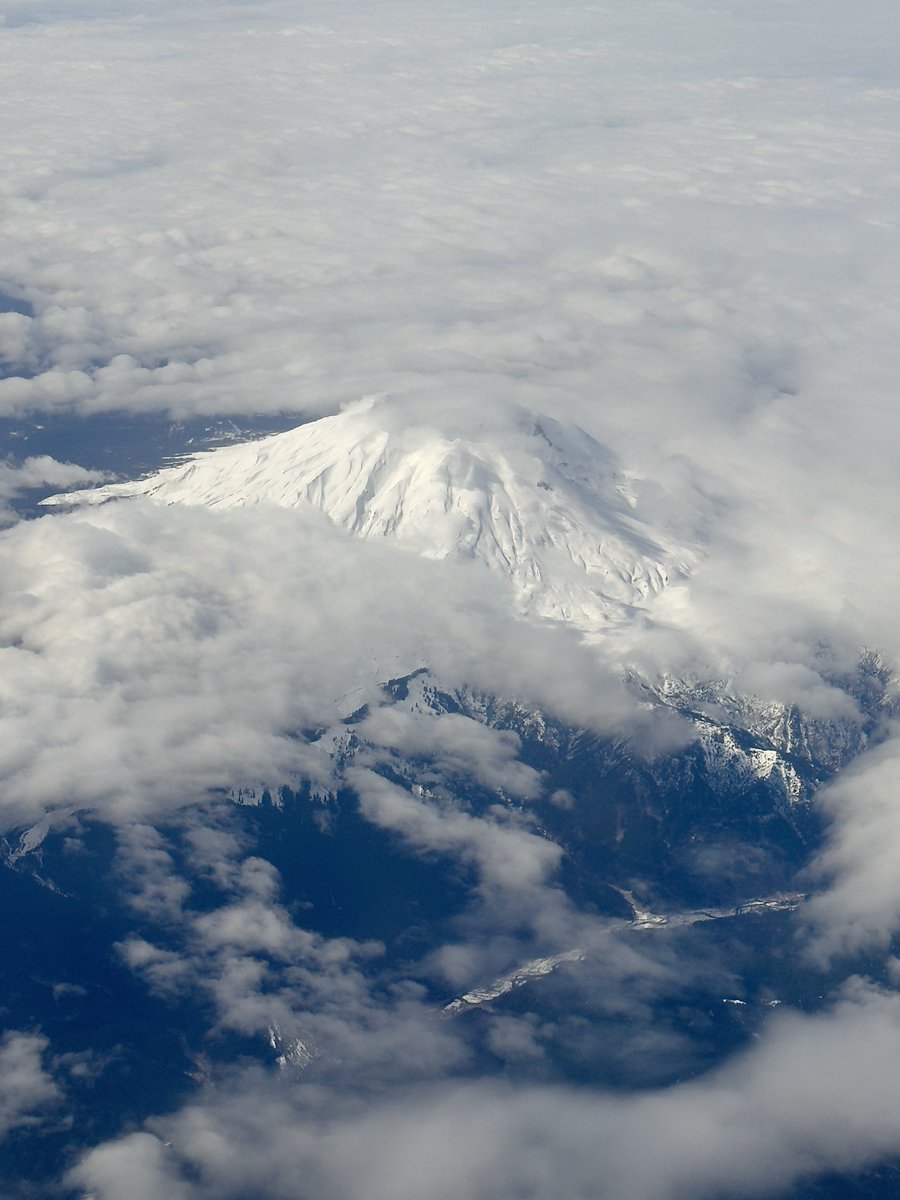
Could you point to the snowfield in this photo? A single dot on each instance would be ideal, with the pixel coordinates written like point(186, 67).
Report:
point(542, 503)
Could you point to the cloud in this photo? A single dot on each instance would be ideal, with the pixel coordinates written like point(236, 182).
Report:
point(38, 472)
point(677, 232)
point(421, 218)
point(770, 1118)
point(152, 886)
point(152, 655)
point(422, 213)
point(458, 745)
point(27, 1090)
point(145, 1158)
point(243, 955)
point(506, 856)
point(858, 907)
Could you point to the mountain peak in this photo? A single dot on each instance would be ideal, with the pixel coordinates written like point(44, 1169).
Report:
point(536, 500)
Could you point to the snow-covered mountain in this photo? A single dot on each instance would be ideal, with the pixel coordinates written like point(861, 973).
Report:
point(545, 506)
point(540, 502)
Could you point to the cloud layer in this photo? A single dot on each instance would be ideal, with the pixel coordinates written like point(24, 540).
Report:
point(152, 655)
point(670, 224)
point(770, 1118)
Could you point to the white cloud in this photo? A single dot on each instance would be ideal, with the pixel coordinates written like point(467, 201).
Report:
point(483, 210)
point(145, 1159)
point(815, 1094)
point(858, 907)
point(151, 655)
point(457, 744)
point(678, 232)
point(38, 472)
point(507, 856)
point(27, 1090)
point(248, 960)
point(150, 883)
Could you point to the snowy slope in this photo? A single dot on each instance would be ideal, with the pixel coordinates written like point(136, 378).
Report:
point(539, 502)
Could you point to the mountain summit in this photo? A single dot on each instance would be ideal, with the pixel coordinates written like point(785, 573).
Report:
point(538, 501)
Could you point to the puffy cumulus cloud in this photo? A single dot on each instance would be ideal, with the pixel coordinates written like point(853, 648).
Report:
point(259, 970)
point(255, 970)
point(373, 1032)
point(250, 957)
point(678, 232)
point(507, 856)
point(815, 1094)
point(675, 231)
point(151, 884)
point(800, 686)
point(858, 906)
point(166, 972)
point(458, 745)
point(27, 1089)
point(146, 1159)
point(644, 211)
point(37, 472)
point(150, 655)
point(517, 909)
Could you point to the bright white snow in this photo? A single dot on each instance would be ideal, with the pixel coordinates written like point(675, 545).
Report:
point(540, 502)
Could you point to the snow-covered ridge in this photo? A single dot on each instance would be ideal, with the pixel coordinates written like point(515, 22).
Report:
point(538, 501)
point(536, 969)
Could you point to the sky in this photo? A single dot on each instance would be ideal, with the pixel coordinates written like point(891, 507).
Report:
point(672, 223)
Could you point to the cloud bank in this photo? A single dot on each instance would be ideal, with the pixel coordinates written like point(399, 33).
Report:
point(673, 226)
point(770, 1118)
